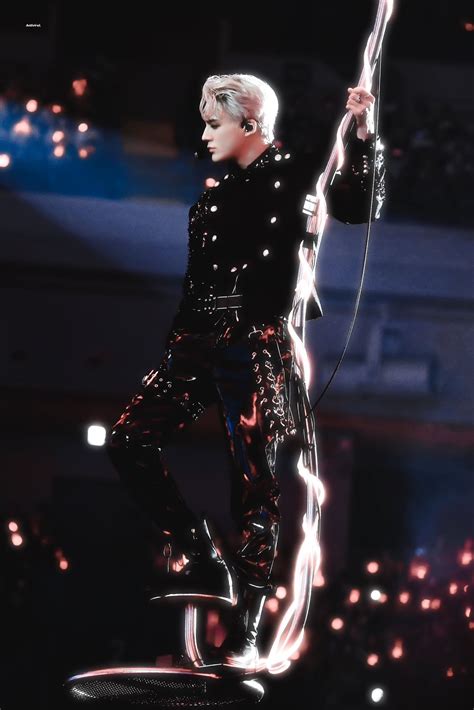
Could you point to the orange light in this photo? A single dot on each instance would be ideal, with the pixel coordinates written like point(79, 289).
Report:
point(372, 659)
point(425, 603)
point(63, 564)
point(354, 596)
point(418, 570)
point(83, 153)
point(467, 611)
point(373, 567)
point(450, 672)
point(404, 597)
point(453, 588)
point(469, 26)
point(383, 598)
point(337, 623)
point(31, 105)
point(79, 86)
point(22, 128)
point(59, 151)
point(272, 605)
point(57, 136)
point(56, 108)
point(465, 557)
point(397, 650)
point(435, 603)
point(17, 540)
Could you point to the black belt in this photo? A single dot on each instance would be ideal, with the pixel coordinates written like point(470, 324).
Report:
point(209, 304)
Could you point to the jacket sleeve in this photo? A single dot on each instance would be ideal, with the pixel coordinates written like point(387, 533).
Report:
point(348, 198)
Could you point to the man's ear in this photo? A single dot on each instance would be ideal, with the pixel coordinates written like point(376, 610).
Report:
point(249, 125)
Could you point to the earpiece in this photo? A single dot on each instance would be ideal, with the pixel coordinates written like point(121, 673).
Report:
point(246, 125)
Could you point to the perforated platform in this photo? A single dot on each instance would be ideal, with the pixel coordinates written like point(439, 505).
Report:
point(161, 688)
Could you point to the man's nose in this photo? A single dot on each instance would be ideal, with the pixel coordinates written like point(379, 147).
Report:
point(205, 137)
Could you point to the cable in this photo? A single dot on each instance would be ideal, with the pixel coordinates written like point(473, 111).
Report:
point(366, 248)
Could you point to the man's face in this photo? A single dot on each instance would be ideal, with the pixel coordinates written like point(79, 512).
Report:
point(224, 136)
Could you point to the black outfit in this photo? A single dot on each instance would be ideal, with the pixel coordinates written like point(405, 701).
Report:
point(243, 242)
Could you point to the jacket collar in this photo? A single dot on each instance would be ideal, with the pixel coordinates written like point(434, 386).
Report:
point(260, 161)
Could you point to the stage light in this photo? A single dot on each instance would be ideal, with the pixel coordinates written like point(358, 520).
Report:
point(4, 160)
point(377, 695)
point(56, 108)
point(96, 435)
point(79, 86)
point(57, 136)
point(337, 623)
point(272, 605)
point(418, 570)
point(404, 597)
point(210, 182)
point(17, 540)
point(425, 603)
point(32, 105)
point(372, 659)
point(375, 594)
point(453, 588)
point(383, 598)
point(397, 650)
point(59, 151)
point(12, 526)
point(469, 26)
point(354, 596)
point(467, 611)
point(82, 127)
point(280, 592)
point(22, 127)
point(450, 673)
point(82, 152)
point(373, 567)
point(465, 557)
point(63, 564)
point(435, 603)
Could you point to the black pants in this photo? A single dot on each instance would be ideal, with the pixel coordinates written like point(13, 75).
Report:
point(245, 369)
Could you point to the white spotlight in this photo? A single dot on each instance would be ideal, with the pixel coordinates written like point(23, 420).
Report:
point(96, 434)
point(377, 695)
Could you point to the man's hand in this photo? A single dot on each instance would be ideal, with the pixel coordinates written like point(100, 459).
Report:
point(361, 103)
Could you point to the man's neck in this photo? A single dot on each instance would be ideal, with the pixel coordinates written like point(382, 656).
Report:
point(252, 153)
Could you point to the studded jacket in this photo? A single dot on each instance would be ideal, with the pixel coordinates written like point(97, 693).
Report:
point(244, 233)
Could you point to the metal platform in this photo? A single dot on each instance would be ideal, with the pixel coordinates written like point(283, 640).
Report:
point(162, 688)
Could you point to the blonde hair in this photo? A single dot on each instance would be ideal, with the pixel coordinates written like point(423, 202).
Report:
point(242, 96)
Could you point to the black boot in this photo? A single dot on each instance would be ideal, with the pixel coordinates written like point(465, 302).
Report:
point(239, 650)
point(206, 578)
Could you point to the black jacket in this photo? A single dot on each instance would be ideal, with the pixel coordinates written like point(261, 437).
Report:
point(245, 232)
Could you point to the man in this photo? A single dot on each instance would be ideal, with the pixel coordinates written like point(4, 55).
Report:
point(229, 344)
